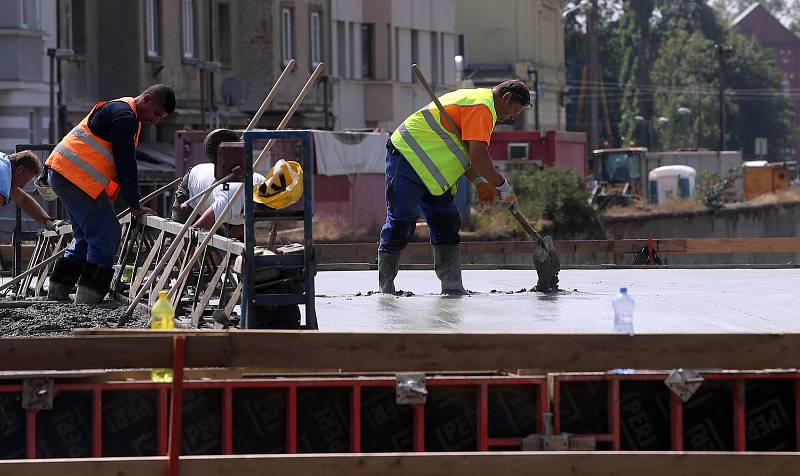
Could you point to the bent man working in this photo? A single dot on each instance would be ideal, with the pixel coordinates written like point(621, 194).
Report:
point(16, 170)
point(88, 169)
point(424, 160)
point(199, 178)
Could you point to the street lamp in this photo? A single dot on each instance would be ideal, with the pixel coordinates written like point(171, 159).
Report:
point(644, 130)
point(662, 123)
point(685, 111)
point(55, 53)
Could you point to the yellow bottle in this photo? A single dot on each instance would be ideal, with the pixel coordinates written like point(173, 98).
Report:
point(162, 316)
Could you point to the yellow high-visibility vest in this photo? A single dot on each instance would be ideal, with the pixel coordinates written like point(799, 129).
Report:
point(438, 156)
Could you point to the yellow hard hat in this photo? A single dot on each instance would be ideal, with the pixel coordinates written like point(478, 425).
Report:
point(283, 185)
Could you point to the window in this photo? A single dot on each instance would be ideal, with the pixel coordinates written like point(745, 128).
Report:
point(224, 54)
point(286, 35)
point(414, 51)
point(368, 51)
point(435, 58)
point(152, 14)
point(32, 126)
point(316, 42)
point(76, 30)
point(187, 15)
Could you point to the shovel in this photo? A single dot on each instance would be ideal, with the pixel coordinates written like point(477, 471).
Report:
point(545, 256)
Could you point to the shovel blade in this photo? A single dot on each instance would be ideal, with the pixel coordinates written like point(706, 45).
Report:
point(545, 258)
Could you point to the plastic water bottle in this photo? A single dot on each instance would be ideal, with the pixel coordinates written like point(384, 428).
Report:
point(623, 312)
point(162, 316)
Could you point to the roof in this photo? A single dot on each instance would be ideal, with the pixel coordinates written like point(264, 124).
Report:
point(746, 13)
point(155, 160)
point(758, 21)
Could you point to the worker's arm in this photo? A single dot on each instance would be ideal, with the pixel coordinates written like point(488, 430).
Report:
point(482, 164)
point(206, 220)
point(29, 205)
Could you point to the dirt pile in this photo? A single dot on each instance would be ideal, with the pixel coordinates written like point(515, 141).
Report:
point(48, 319)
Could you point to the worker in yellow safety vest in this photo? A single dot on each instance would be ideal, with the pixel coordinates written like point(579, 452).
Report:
point(424, 160)
point(91, 165)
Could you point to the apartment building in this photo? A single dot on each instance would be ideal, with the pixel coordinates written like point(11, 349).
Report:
point(522, 39)
point(25, 27)
point(373, 45)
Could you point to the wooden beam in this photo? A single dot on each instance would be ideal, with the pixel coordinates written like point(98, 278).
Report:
point(367, 252)
point(391, 352)
point(429, 464)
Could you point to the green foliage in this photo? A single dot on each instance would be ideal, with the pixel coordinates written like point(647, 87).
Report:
point(635, 69)
point(557, 195)
point(714, 191)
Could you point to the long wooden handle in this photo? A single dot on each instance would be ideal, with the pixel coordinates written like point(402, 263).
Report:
point(427, 87)
point(527, 226)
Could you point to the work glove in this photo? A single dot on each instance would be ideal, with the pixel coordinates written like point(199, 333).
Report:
point(53, 225)
point(508, 199)
point(487, 195)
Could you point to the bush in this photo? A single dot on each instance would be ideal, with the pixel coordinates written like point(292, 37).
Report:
point(714, 191)
point(557, 195)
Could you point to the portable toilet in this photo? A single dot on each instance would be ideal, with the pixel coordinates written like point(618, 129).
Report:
point(671, 181)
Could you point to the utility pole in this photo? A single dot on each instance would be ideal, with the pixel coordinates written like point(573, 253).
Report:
point(723, 52)
point(594, 109)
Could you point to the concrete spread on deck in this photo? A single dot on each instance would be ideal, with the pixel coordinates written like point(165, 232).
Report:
point(667, 301)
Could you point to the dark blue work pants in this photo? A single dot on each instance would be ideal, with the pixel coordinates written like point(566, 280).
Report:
point(406, 198)
point(95, 228)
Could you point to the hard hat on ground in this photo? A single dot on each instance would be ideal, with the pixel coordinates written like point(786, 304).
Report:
point(283, 185)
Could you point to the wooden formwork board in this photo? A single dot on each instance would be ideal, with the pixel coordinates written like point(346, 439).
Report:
point(390, 464)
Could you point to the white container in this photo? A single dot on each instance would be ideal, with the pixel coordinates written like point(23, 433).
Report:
point(671, 181)
point(623, 312)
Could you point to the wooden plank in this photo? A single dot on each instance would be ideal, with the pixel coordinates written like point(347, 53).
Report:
point(212, 285)
point(392, 352)
point(154, 251)
point(743, 245)
point(429, 464)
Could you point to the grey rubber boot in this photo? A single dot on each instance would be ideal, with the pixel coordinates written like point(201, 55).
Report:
point(94, 283)
point(63, 278)
point(447, 263)
point(388, 264)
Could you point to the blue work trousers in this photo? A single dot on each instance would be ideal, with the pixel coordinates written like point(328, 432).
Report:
point(95, 228)
point(406, 198)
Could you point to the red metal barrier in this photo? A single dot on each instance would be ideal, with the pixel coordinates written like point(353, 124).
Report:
point(748, 423)
point(168, 421)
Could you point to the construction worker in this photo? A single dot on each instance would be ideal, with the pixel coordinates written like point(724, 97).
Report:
point(424, 160)
point(88, 168)
point(16, 170)
point(199, 178)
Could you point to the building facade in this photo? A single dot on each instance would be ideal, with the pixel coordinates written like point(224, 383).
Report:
point(373, 45)
point(516, 39)
point(25, 36)
point(759, 23)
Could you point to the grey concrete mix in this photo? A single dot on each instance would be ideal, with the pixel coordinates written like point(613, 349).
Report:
point(41, 320)
point(667, 301)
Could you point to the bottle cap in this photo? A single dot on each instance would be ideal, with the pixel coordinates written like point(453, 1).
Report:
point(162, 295)
point(623, 290)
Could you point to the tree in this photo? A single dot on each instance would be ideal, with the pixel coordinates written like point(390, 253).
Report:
point(684, 75)
point(761, 107)
point(634, 78)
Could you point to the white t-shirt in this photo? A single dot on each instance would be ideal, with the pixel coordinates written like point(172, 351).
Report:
point(201, 177)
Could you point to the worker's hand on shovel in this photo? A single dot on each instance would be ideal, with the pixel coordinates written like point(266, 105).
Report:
point(487, 195)
point(508, 199)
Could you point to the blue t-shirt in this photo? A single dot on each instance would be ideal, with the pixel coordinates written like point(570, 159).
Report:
point(5, 178)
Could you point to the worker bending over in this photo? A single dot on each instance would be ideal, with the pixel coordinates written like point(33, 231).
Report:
point(199, 178)
point(88, 168)
point(16, 170)
point(424, 160)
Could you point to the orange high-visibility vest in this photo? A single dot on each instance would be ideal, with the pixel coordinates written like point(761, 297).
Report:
point(87, 160)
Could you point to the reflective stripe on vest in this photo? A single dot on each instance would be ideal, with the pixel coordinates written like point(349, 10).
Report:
point(438, 156)
point(86, 160)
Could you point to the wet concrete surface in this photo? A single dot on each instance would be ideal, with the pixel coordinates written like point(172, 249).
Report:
point(667, 301)
point(43, 320)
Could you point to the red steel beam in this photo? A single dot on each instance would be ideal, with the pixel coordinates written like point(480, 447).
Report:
point(419, 428)
point(483, 417)
point(613, 413)
point(676, 426)
point(739, 425)
point(176, 407)
point(97, 423)
point(291, 420)
point(355, 419)
point(30, 434)
point(227, 421)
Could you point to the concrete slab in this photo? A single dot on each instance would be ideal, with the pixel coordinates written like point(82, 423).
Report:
point(667, 301)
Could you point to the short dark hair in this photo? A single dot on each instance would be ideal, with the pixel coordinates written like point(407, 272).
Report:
point(27, 160)
point(519, 91)
point(162, 94)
